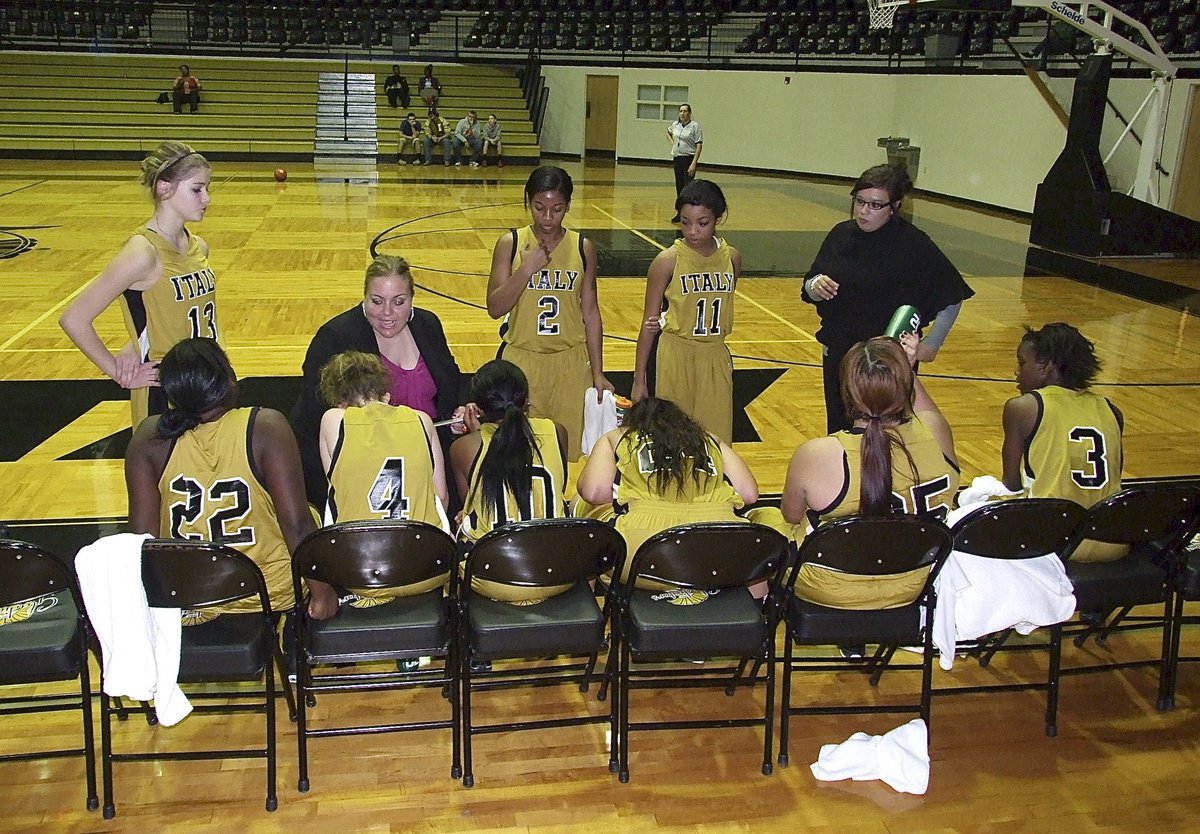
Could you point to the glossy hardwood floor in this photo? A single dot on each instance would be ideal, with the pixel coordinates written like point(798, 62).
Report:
point(288, 256)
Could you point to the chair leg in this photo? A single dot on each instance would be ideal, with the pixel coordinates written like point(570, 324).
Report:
point(89, 733)
point(303, 682)
point(1053, 680)
point(992, 645)
point(110, 809)
point(1169, 666)
point(879, 662)
point(623, 674)
point(741, 669)
point(785, 702)
point(926, 679)
point(611, 673)
point(464, 671)
point(768, 717)
point(452, 672)
point(1102, 637)
point(269, 706)
point(281, 667)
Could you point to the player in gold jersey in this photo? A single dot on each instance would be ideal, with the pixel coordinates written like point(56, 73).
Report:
point(543, 280)
point(512, 468)
point(661, 469)
point(167, 290)
point(892, 459)
point(688, 314)
point(209, 470)
point(1061, 439)
point(382, 461)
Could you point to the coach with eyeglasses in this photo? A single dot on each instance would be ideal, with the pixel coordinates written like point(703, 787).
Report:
point(870, 265)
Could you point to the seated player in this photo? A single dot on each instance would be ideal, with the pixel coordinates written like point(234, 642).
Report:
point(894, 458)
point(382, 461)
point(1062, 440)
point(206, 469)
point(661, 469)
point(512, 468)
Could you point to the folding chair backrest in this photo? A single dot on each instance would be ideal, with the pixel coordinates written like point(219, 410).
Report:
point(1138, 515)
point(375, 554)
point(877, 546)
point(546, 552)
point(710, 555)
point(179, 573)
point(27, 572)
point(1018, 529)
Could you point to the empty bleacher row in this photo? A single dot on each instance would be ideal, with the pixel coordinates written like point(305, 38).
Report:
point(77, 105)
point(473, 28)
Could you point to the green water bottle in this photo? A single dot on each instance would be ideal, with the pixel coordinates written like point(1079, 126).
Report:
point(906, 319)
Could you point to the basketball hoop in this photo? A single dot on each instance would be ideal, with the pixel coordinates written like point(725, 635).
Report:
point(883, 12)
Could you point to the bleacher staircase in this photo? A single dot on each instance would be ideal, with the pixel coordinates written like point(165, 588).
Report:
point(346, 126)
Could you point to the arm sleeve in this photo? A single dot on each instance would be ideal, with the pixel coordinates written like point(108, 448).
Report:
point(940, 328)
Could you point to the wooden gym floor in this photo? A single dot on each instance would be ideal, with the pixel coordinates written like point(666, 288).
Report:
point(288, 256)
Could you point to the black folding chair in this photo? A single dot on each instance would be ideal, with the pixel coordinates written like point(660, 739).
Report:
point(197, 575)
point(1153, 521)
point(705, 611)
point(375, 555)
point(1185, 586)
point(45, 639)
point(535, 555)
point(1009, 531)
point(870, 547)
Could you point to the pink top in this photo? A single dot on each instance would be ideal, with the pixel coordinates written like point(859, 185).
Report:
point(415, 388)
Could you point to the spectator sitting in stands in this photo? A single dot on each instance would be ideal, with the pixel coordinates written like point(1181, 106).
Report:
point(411, 133)
point(466, 134)
point(436, 130)
point(491, 138)
point(396, 87)
point(429, 89)
point(186, 88)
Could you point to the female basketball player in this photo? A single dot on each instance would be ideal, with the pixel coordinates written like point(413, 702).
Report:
point(209, 470)
point(382, 461)
point(661, 469)
point(693, 283)
point(513, 468)
point(891, 459)
point(167, 290)
point(543, 280)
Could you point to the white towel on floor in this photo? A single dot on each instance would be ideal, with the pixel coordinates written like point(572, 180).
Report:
point(139, 644)
point(598, 418)
point(900, 758)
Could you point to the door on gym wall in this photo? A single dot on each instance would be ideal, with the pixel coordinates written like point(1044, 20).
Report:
point(600, 131)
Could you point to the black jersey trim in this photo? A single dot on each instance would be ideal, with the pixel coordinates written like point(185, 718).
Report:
point(1037, 423)
point(137, 314)
point(250, 461)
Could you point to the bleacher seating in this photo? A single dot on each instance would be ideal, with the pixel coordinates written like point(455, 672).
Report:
point(86, 104)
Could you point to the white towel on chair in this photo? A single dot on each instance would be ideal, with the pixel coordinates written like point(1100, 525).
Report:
point(598, 418)
point(139, 644)
point(900, 758)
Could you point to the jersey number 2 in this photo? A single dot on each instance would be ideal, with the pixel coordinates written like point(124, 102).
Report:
point(547, 326)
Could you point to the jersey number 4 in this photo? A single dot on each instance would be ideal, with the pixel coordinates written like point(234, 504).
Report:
point(203, 319)
point(225, 503)
point(387, 493)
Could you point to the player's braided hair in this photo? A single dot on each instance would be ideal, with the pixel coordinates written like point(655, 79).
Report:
point(196, 377)
point(170, 162)
point(501, 391)
point(1068, 350)
point(677, 444)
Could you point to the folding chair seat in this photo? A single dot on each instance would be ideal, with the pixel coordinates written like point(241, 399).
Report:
point(536, 556)
point(1153, 522)
point(44, 637)
point(705, 611)
point(375, 555)
point(890, 546)
point(1008, 531)
point(233, 647)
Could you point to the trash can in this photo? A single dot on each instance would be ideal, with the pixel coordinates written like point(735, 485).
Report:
point(899, 152)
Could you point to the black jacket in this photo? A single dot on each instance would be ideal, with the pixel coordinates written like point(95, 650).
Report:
point(351, 331)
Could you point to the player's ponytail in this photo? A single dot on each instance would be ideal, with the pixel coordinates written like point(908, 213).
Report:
point(197, 378)
point(877, 390)
point(171, 162)
point(501, 391)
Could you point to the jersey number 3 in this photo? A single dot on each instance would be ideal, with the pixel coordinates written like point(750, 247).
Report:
point(1096, 455)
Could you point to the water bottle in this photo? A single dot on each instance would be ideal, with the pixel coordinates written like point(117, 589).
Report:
point(906, 319)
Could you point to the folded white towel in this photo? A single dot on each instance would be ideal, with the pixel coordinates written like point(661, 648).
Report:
point(598, 418)
point(900, 758)
point(139, 644)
